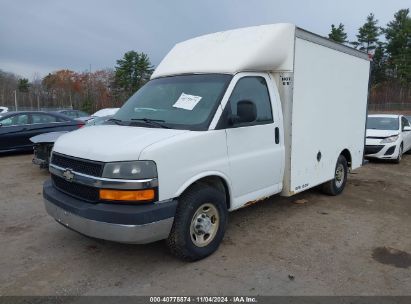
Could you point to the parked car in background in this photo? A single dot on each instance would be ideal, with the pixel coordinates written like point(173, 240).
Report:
point(75, 114)
point(4, 109)
point(42, 147)
point(16, 128)
point(388, 137)
point(43, 143)
point(105, 112)
point(408, 117)
point(98, 120)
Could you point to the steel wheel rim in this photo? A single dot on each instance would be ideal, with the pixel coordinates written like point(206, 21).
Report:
point(339, 175)
point(204, 225)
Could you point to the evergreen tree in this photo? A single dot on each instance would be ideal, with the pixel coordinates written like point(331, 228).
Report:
point(398, 45)
point(378, 66)
point(367, 37)
point(23, 85)
point(87, 105)
point(338, 34)
point(133, 71)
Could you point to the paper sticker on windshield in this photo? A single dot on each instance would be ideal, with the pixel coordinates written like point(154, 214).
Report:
point(187, 102)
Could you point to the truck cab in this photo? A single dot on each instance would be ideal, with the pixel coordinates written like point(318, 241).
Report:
point(211, 132)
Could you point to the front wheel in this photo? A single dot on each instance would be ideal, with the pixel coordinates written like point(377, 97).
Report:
point(199, 224)
point(399, 157)
point(337, 184)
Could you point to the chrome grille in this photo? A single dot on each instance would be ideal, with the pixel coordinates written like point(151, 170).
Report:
point(89, 167)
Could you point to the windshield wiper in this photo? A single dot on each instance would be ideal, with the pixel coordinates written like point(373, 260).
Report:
point(152, 122)
point(116, 121)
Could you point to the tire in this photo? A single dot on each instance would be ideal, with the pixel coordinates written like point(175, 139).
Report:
point(337, 184)
point(399, 157)
point(188, 237)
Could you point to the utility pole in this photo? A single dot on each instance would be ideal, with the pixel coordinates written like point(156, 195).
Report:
point(38, 102)
point(15, 99)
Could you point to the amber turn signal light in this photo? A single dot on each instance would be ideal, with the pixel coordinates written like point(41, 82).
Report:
point(127, 195)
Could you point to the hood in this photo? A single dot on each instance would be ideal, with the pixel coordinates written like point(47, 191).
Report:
point(381, 133)
point(47, 137)
point(108, 143)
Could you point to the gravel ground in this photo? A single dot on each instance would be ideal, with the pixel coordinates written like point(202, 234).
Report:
point(355, 244)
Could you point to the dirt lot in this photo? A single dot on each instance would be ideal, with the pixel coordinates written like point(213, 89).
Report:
point(353, 244)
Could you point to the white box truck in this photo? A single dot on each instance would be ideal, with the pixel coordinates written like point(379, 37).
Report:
point(227, 119)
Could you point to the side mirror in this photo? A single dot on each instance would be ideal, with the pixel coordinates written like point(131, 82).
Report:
point(407, 128)
point(246, 112)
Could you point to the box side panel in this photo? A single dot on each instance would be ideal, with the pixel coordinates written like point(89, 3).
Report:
point(284, 81)
point(329, 112)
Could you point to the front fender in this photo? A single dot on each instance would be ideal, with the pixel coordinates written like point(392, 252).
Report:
point(202, 175)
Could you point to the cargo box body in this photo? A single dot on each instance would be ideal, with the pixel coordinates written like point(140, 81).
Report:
point(324, 104)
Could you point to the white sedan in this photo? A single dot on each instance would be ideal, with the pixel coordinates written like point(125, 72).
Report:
point(388, 137)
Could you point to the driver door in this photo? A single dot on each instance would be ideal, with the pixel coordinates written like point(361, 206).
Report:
point(255, 150)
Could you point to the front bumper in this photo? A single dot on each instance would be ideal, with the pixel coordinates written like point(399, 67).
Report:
point(382, 151)
point(136, 224)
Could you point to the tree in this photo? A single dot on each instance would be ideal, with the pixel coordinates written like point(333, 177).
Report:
point(367, 37)
point(60, 87)
point(379, 63)
point(338, 34)
point(23, 85)
point(87, 105)
point(398, 46)
point(132, 71)
point(8, 83)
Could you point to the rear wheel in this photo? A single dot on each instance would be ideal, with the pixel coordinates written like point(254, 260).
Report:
point(337, 184)
point(199, 224)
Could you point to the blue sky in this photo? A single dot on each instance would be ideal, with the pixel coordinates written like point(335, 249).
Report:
point(46, 35)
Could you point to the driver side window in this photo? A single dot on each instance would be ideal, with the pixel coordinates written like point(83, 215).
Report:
point(253, 88)
point(404, 123)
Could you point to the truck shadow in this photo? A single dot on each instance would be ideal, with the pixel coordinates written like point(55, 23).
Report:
point(257, 218)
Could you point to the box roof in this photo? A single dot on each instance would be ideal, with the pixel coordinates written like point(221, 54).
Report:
point(258, 48)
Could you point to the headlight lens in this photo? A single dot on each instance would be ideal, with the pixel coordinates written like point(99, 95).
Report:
point(389, 139)
point(131, 170)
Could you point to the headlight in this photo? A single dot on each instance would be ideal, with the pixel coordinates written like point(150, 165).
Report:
point(389, 139)
point(131, 170)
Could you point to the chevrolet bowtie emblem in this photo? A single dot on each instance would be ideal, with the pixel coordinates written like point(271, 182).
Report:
point(68, 175)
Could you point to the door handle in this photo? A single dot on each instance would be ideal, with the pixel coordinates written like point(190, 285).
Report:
point(277, 135)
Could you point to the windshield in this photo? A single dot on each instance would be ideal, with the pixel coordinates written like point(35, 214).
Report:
point(181, 102)
point(383, 123)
